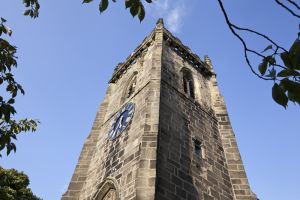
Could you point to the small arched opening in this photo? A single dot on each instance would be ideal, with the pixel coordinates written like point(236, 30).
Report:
point(188, 83)
point(108, 191)
point(130, 87)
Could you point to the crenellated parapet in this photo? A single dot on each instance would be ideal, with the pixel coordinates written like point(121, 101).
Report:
point(170, 40)
point(185, 52)
point(121, 68)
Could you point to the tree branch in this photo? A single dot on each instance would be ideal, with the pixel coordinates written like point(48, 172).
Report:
point(246, 49)
point(287, 8)
point(294, 3)
point(260, 34)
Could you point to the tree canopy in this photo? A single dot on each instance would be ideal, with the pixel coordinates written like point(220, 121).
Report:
point(14, 186)
point(9, 127)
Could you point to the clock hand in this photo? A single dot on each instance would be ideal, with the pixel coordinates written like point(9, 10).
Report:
point(117, 129)
point(120, 121)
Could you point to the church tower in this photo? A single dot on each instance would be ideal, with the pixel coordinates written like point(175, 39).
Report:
point(162, 132)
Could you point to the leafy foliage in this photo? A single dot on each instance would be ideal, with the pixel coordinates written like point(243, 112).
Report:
point(14, 186)
point(287, 81)
point(135, 7)
point(9, 128)
point(32, 8)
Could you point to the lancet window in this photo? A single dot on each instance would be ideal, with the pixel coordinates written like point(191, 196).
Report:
point(130, 88)
point(188, 83)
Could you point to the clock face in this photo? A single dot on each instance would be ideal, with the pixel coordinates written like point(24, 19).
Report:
point(121, 121)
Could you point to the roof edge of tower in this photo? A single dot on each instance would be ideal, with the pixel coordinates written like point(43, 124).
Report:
point(122, 67)
point(175, 43)
point(186, 53)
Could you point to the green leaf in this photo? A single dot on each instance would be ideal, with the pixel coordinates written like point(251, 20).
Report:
point(26, 12)
point(3, 20)
point(267, 48)
point(87, 1)
point(282, 87)
point(263, 67)
point(294, 47)
point(279, 96)
point(103, 5)
point(272, 73)
point(288, 72)
point(294, 53)
point(6, 115)
point(270, 59)
point(8, 150)
point(134, 9)
point(286, 59)
point(141, 13)
point(294, 97)
point(14, 136)
point(291, 86)
point(4, 30)
point(11, 101)
point(128, 3)
point(14, 147)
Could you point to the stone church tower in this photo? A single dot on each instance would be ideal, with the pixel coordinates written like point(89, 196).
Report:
point(162, 132)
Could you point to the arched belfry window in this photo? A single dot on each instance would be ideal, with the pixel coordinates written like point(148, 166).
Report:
point(130, 87)
point(188, 83)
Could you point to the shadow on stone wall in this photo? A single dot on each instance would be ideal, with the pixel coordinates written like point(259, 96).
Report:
point(175, 152)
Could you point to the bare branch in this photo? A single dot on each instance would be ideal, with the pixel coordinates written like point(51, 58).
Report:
point(294, 3)
point(287, 8)
point(232, 28)
point(260, 34)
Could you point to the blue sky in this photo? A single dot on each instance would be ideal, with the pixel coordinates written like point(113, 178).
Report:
point(68, 54)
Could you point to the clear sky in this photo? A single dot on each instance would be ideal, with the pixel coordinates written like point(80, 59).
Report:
point(68, 54)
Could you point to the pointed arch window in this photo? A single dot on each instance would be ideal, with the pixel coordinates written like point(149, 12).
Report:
point(188, 83)
point(108, 191)
point(130, 87)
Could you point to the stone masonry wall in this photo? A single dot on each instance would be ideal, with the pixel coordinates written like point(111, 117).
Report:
point(181, 173)
point(130, 159)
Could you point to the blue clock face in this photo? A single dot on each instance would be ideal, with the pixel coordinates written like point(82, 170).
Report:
point(122, 119)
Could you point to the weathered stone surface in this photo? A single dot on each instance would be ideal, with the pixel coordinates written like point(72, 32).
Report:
point(179, 144)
